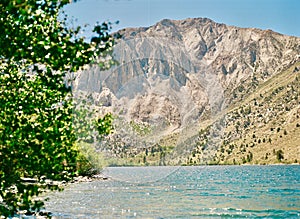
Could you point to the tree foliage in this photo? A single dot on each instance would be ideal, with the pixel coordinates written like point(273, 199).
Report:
point(37, 136)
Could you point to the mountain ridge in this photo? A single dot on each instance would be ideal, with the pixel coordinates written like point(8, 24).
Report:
point(176, 75)
point(209, 36)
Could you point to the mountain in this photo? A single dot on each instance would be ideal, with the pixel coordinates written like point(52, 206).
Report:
point(198, 92)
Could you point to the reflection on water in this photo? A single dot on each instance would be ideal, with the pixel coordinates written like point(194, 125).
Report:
point(140, 174)
point(184, 192)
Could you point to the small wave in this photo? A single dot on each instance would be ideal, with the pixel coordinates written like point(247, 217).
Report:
point(246, 213)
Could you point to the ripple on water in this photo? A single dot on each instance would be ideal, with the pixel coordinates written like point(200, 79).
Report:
point(206, 192)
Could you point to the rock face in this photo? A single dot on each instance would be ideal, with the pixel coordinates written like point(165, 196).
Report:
point(230, 51)
point(175, 76)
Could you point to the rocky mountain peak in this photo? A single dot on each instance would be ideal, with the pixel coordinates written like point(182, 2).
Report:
point(176, 74)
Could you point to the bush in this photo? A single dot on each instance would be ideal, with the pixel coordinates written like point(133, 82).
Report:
point(89, 161)
point(279, 155)
point(278, 129)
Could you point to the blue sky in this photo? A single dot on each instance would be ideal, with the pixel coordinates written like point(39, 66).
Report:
point(279, 15)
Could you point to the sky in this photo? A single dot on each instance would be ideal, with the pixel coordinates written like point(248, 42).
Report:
point(282, 16)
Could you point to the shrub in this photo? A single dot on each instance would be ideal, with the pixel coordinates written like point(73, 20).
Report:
point(279, 155)
point(278, 129)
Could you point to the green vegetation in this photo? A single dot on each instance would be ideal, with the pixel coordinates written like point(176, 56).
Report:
point(279, 155)
point(154, 155)
point(140, 128)
point(89, 162)
point(37, 133)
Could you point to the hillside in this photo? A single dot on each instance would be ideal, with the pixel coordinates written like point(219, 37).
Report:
point(198, 92)
point(263, 128)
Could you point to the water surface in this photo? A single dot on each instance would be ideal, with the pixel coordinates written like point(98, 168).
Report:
point(184, 192)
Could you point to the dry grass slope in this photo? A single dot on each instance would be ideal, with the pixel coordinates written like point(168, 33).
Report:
point(263, 127)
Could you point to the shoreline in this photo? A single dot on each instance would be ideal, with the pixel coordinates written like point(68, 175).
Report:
point(202, 165)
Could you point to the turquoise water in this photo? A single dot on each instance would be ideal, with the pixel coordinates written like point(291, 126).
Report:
point(184, 192)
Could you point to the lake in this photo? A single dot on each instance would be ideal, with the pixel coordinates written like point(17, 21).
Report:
point(184, 192)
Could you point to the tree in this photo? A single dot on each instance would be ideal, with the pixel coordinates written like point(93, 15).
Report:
point(279, 155)
point(37, 136)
